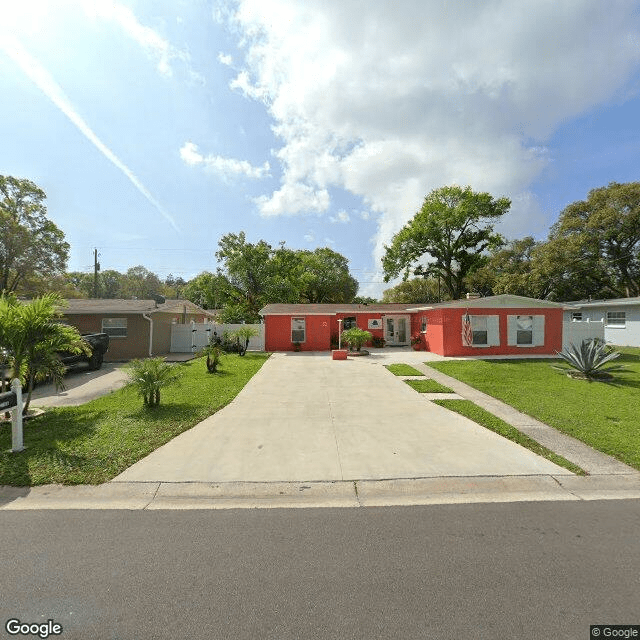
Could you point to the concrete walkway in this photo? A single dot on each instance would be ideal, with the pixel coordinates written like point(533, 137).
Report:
point(305, 417)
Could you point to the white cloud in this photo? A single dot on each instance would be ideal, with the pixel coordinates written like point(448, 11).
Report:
point(45, 82)
point(155, 46)
point(226, 168)
point(225, 58)
point(392, 102)
point(341, 216)
point(309, 237)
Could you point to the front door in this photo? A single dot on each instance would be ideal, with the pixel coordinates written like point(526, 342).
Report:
point(396, 331)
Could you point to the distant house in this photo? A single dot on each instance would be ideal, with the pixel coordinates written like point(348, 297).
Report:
point(137, 328)
point(496, 325)
point(621, 318)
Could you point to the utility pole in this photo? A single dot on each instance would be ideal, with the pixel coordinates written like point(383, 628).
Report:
point(96, 268)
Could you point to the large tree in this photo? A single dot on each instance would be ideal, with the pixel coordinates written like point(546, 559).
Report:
point(594, 247)
point(32, 247)
point(414, 290)
point(449, 235)
point(325, 277)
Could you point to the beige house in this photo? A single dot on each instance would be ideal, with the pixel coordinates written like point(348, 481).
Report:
point(137, 328)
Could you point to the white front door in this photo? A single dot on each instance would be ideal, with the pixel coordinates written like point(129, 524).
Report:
point(396, 330)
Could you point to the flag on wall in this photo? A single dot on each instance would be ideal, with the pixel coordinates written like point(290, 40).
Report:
point(467, 333)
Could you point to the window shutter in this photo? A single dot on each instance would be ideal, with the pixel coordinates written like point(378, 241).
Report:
point(538, 331)
point(493, 331)
point(512, 331)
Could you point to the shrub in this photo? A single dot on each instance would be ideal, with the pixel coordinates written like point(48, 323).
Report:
point(242, 337)
point(213, 352)
point(355, 338)
point(589, 358)
point(149, 376)
point(377, 341)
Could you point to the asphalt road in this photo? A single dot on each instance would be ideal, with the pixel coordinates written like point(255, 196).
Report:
point(525, 570)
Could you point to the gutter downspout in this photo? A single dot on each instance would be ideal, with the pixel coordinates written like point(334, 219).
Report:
point(146, 317)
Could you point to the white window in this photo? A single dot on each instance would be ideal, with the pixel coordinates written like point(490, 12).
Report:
point(576, 316)
point(525, 331)
point(485, 330)
point(115, 327)
point(616, 319)
point(297, 330)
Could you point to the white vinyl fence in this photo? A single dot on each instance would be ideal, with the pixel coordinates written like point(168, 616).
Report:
point(578, 330)
point(188, 338)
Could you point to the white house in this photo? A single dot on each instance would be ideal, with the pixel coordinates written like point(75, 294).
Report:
point(620, 316)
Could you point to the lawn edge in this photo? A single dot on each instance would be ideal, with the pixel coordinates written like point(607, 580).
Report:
point(486, 419)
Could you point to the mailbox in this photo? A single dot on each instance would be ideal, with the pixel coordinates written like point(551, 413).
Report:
point(8, 400)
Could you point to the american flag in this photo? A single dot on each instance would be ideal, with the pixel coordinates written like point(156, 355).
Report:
point(467, 334)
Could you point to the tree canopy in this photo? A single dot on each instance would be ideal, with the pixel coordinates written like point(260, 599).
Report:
point(449, 234)
point(414, 290)
point(32, 247)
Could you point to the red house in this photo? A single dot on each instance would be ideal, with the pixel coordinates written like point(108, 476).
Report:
point(496, 325)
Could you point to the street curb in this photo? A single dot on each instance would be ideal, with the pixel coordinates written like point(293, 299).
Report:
point(139, 496)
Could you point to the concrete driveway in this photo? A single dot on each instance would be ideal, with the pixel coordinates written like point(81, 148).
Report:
point(81, 385)
point(305, 417)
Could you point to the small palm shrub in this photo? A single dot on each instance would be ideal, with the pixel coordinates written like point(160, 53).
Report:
point(149, 376)
point(589, 359)
point(355, 338)
point(242, 335)
point(214, 353)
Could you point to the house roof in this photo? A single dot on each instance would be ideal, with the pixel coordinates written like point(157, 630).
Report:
point(613, 302)
point(77, 306)
point(502, 301)
point(330, 309)
point(491, 302)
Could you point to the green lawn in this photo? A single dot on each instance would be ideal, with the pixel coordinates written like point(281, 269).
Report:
point(93, 443)
point(428, 386)
point(403, 370)
point(604, 415)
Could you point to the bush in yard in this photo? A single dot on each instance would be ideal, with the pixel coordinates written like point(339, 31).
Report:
point(588, 360)
point(355, 338)
point(149, 376)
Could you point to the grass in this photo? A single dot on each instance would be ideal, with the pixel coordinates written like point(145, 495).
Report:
point(602, 414)
point(489, 421)
point(94, 442)
point(403, 370)
point(428, 386)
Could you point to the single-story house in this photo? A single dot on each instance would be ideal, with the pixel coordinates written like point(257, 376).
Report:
point(137, 328)
point(621, 318)
point(496, 325)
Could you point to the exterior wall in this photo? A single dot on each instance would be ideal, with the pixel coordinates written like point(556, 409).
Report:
point(362, 322)
point(573, 333)
point(278, 333)
point(433, 339)
point(452, 332)
point(135, 345)
point(627, 336)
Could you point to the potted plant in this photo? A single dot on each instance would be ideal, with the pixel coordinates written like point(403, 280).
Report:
point(296, 346)
point(416, 342)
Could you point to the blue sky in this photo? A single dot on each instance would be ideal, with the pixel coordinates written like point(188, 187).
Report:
point(157, 127)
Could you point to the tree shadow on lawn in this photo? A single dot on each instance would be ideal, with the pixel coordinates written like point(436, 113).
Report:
point(44, 441)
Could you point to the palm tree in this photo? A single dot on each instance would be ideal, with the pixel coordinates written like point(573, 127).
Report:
point(32, 335)
point(149, 376)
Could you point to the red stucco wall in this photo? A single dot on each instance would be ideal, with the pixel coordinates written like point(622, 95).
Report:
point(278, 333)
point(451, 328)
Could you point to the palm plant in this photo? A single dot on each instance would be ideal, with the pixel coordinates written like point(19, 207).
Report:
point(242, 335)
point(589, 359)
point(355, 338)
point(31, 336)
point(149, 376)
